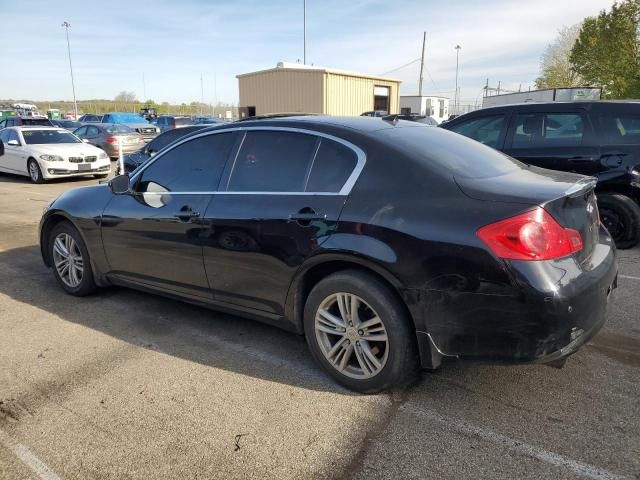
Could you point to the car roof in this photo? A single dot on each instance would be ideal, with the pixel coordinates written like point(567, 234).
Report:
point(36, 127)
point(359, 123)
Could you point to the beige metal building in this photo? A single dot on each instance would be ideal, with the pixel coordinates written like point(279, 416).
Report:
point(307, 89)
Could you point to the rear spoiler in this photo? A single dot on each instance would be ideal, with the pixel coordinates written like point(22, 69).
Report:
point(581, 187)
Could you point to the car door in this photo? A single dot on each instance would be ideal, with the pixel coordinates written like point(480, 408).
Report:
point(619, 135)
point(279, 200)
point(5, 157)
point(555, 139)
point(154, 236)
point(92, 134)
point(15, 156)
point(488, 129)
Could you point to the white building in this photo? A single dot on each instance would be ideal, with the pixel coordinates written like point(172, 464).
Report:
point(435, 107)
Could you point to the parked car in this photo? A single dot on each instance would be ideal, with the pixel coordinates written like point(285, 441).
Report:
point(135, 159)
point(462, 252)
point(90, 118)
point(107, 137)
point(66, 124)
point(207, 120)
point(601, 139)
point(169, 122)
point(135, 121)
point(21, 120)
point(44, 153)
point(375, 113)
point(413, 117)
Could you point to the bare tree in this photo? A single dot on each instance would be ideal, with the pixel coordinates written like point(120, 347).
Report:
point(125, 96)
point(555, 65)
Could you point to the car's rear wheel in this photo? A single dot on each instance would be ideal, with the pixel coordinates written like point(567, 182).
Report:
point(621, 215)
point(70, 260)
point(358, 331)
point(35, 174)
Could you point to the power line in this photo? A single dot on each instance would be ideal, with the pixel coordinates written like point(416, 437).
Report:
point(401, 67)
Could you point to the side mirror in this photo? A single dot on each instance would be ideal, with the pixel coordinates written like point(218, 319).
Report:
point(15, 143)
point(119, 185)
point(85, 140)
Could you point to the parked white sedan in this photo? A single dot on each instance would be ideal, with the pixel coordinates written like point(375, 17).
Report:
point(43, 153)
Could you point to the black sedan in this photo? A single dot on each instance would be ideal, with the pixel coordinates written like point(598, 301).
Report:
point(135, 159)
point(390, 245)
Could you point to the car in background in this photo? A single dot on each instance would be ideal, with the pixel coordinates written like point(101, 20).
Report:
point(70, 125)
point(168, 122)
point(135, 121)
point(375, 113)
point(296, 221)
point(45, 153)
point(90, 118)
point(109, 137)
point(413, 117)
point(135, 159)
point(207, 120)
point(600, 139)
point(22, 120)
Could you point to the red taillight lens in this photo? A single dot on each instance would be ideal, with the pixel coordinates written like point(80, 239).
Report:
point(111, 139)
point(533, 235)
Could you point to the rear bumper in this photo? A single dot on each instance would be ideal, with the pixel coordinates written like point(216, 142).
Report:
point(547, 312)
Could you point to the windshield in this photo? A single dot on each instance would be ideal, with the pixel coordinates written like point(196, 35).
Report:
point(119, 129)
point(127, 118)
point(37, 137)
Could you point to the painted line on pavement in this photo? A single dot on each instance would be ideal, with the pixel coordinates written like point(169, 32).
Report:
point(583, 469)
point(629, 277)
point(28, 458)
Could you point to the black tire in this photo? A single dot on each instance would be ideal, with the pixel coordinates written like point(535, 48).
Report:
point(33, 169)
point(402, 362)
point(621, 215)
point(87, 283)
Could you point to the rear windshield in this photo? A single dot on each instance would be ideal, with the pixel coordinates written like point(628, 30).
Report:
point(36, 121)
point(127, 118)
point(183, 121)
point(449, 151)
point(119, 129)
point(36, 137)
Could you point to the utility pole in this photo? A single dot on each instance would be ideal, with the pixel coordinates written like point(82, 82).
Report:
point(66, 25)
point(144, 88)
point(424, 41)
point(304, 29)
point(457, 99)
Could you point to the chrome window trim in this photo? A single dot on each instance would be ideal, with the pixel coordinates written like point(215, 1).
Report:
point(345, 190)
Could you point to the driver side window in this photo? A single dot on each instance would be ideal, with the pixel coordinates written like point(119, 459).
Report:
point(486, 130)
point(194, 166)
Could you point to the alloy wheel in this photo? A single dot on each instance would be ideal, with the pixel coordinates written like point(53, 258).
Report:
point(33, 171)
point(68, 260)
point(351, 336)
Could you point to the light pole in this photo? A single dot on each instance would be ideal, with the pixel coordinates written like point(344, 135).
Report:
point(66, 25)
point(456, 97)
point(304, 28)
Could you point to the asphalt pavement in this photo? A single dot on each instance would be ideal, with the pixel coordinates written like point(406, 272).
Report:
point(127, 385)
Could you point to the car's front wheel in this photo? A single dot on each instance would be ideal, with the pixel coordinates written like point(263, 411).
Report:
point(358, 331)
point(35, 174)
point(621, 215)
point(70, 260)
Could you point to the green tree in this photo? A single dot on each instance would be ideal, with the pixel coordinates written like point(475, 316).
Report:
point(607, 51)
point(555, 65)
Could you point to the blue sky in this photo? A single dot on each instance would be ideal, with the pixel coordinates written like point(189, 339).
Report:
point(173, 42)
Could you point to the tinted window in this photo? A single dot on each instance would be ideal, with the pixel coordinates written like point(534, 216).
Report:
point(194, 166)
point(183, 121)
point(80, 131)
point(331, 168)
point(36, 121)
point(619, 128)
point(165, 139)
point(11, 122)
point(272, 162)
point(485, 130)
point(13, 135)
point(92, 131)
point(534, 130)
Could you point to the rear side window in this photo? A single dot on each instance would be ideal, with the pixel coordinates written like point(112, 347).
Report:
point(272, 161)
point(619, 128)
point(539, 130)
point(331, 167)
point(485, 130)
point(194, 166)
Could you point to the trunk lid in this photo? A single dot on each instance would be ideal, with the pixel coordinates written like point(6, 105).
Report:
point(568, 197)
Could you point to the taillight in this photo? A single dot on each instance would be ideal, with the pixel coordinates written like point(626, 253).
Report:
point(532, 235)
point(111, 139)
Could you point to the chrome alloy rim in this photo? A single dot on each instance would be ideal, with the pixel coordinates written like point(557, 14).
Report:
point(351, 335)
point(33, 171)
point(67, 259)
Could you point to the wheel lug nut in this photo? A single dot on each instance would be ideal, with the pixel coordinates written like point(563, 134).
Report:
point(360, 332)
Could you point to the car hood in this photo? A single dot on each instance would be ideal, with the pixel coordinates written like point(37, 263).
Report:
point(65, 149)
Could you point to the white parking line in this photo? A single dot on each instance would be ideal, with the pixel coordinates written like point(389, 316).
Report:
point(28, 458)
point(629, 277)
point(517, 446)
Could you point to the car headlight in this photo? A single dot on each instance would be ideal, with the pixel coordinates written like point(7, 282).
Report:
point(157, 130)
point(51, 158)
point(102, 155)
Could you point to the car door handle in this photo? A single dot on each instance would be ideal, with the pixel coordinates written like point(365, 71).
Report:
point(186, 215)
point(305, 216)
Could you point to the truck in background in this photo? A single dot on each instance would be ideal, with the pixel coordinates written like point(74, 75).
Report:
point(429, 106)
point(572, 94)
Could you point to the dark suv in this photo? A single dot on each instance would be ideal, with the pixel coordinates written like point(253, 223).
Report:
point(600, 139)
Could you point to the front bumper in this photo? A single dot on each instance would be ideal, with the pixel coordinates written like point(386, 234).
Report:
point(52, 170)
point(545, 312)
